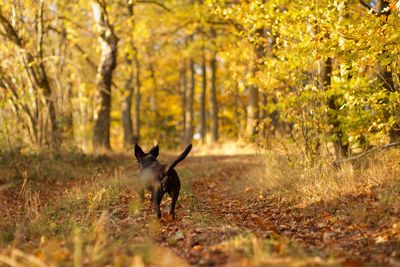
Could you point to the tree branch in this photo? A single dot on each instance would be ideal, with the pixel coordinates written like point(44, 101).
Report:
point(86, 57)
point(155, 3)
point(11, 33)
point(365, 4)
point(6, 83)
point(376, 149)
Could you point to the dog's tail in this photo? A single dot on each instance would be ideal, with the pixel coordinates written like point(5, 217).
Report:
point(179, 159)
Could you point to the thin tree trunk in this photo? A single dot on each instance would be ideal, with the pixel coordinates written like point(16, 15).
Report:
point(253, 105)
point(203, 99)
point(214, 101)
point(137, 99)
point(190, 106)
point(108, 42)
point(341, 148)
point(45, 84)
point(263, 115)
point(127, 101)
point(156, 121)
point(69, 118)
point(127, 106)
point(252, 111)
point(184, 100)
point(236, 110)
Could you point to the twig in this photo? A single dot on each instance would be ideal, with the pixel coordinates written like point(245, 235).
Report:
point(364, 4)
point(155, 3)
point(376, 149)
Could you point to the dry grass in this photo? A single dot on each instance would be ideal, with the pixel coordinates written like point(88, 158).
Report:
point(95, 218)
point(273, 252)
point(301, 183)
point(72, 213)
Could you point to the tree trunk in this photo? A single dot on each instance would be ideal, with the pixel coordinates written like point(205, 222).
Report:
point(55, 139)
point(127, 106)
point(137, 99)
point(154, 102)
point(190, 108)
point(236, 110)
point(252, 111)
point(341, 147)
point(263, 115)
point(184, 100)
point(214, 101)
point(203, 99)
point(127, 101)
point(253, 106)
point(68, 116)
point(108, 42)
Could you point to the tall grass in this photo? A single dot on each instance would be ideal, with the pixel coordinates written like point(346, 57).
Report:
point(291, 179)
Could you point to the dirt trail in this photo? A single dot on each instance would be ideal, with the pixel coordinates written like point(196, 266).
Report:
point(221, 191)
point(219, 204)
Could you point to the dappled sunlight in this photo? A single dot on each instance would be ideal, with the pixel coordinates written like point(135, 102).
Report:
point(226, 148)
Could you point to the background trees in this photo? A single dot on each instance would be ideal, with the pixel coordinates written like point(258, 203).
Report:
point(321, 75)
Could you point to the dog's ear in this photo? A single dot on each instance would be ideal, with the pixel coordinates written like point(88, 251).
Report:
point(138, 151)
point(155, 151)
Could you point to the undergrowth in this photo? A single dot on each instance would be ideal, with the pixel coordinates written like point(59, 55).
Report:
point(293, 180)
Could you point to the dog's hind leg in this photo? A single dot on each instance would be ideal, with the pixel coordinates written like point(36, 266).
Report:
point(174, 197)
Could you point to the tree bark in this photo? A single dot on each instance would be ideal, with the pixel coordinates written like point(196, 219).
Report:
point(341, 147)
point(253, 105)
point(252, 111)
point(128, 90)
point(184, 100)
point(263, 115)
point(44, 83)
point(214, 101)
point(236, 109)
point(154, 102)
point(190, 106)
point(203, 99)
point(137, 98)
point(127, 106)
point(108, 42)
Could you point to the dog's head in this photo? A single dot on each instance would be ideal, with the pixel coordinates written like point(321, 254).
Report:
point(145, 159)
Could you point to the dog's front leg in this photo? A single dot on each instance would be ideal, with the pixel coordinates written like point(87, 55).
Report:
point(157, 197)
point(156, 205)
point(141, 195)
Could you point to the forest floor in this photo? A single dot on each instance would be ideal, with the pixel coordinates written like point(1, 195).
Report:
point(83, 210)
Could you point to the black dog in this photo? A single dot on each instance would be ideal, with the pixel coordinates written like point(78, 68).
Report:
point(157, 178)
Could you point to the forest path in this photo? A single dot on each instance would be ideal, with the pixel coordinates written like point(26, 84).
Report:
point(223, 218)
